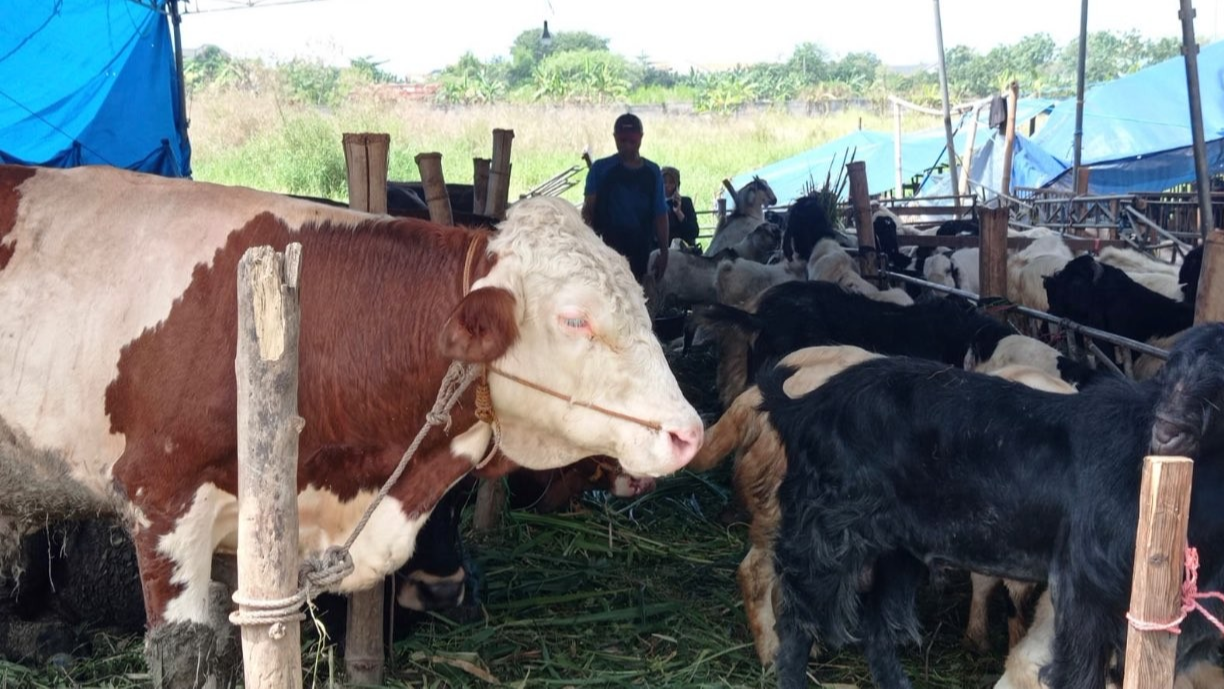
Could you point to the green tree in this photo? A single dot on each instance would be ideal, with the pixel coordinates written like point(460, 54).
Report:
point(528, 50)
point(809, 63)
point(582, 76)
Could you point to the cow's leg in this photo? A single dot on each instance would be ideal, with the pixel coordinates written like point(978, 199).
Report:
point(190, 643)
point(757, 583)
point(889, 617)
point(977, 637)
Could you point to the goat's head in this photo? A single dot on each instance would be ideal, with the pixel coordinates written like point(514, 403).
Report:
point(1070, 290)
point(757, 194)
point(1192, 393)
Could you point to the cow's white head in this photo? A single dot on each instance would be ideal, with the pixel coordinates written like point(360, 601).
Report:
point(560, 309)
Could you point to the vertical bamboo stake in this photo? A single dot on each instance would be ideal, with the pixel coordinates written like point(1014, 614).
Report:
point(365, 157)
point(899, 190)
point(1210, 301)
point(992, 253)
point(1160, 544)
point(722, 210)
point(1009, 141)
point(269, 320)
point(480, 185)
point(363, 650)
point(969, 146)
point(861, 201)
point(499, 174)
point(436, 196)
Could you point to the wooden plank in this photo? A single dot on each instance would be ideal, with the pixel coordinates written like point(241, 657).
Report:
point(992, 258)
point(861, 201)
point(480, 184)
point(1160, 544)
point(1209, 306)
point(269, 321)
point(968, 241)
point(926, 210)
point(499, 174)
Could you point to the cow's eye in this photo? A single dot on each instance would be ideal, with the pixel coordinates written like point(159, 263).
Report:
point(576, 323)
point(574, 320)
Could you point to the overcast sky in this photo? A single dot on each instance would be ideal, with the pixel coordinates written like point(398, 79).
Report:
point(414, 37)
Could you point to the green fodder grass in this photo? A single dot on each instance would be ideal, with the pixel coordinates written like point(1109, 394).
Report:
point(257, 140)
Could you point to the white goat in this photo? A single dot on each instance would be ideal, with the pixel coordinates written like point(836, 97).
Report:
point(830, 263)
point(751, 200)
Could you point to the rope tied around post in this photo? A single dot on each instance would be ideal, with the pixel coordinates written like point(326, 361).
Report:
point(1190, 601)
point(326, 569)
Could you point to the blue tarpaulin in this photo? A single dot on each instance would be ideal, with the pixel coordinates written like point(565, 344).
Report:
point(1136, 134)
point(920, 151)
point(90, 82)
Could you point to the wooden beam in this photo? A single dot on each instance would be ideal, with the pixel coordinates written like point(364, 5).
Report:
point(992, 257)
point(967, 241)
point(1209, 306)
point(1160, 544)
point(861, 202)
point(1009, 141)
point(269, 321)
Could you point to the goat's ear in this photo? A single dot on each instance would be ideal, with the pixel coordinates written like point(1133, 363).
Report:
point(481, 328)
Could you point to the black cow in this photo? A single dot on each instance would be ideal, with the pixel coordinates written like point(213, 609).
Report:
point(899, 464)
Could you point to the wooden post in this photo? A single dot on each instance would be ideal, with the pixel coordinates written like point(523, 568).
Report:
point(269, 320)
point(363, 649)
point(365, 157)
point(436, 196)
point(992, 252)
point(1009, 141)
point(480, 184)
point(861, 200)
point(969, 146)
point(722, 210)
point(1209, 306)
point(490, 501)
point(1160, 544)
point(899, 186)
point(1081, 181)
point(499, 174)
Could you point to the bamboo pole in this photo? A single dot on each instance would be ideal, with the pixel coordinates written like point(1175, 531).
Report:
point(480, 184)
point(1160, 544)
point(947, 105)
point(363, 649)
point(1081, 60)
point(1209, 306)
point(992, 252)
point(499, 174)
point(1202, 177)
point(365, 159)
point(1009, 142)
point(436, 196)
point(861, 201)
point(899, 187)
point(722, 210)
point(963, 188)
point(269, 321)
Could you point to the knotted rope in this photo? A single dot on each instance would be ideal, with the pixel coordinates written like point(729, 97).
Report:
point(1190, 601)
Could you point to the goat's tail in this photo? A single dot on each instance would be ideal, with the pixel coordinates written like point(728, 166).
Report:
point(735, 429)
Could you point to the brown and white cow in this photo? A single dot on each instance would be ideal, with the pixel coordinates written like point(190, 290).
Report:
point(118, 341)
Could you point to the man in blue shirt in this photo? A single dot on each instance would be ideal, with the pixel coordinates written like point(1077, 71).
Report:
point(624, 201)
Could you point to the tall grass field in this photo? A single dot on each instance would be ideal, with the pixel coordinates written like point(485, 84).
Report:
point(257, 140)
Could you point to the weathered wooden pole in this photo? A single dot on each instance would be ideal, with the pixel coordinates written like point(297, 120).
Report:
point(1009, 139)
point(499, 174)
point(269, 321)
point(970, 144)
point(861, 200)
point(365, 157)
point(363, 649)
point(436, 196)
point(1081, 60)
point(1209, 305)
point(480, 184)
point(722, 210)
point(992, 251)
point(1081, 180)
point(1202, 177)
point(1160, 544)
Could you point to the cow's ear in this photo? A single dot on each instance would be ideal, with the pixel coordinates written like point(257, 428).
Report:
point(481, 328)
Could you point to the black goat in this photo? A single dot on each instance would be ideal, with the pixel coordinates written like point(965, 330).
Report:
point(1188, 275)
point(807, 222)
point(794, 315)
point(899, 464)
point(1101, 296)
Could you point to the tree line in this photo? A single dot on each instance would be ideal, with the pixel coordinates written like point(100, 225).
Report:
point(578, 67)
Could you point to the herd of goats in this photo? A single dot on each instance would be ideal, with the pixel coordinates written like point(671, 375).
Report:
point(881, 434)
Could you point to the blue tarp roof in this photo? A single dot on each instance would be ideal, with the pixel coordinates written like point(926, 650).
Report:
point(1137, 128)
point(920, 151)
point(85, 82)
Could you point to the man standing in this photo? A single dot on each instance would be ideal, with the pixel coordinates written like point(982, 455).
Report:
point(624, 201)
